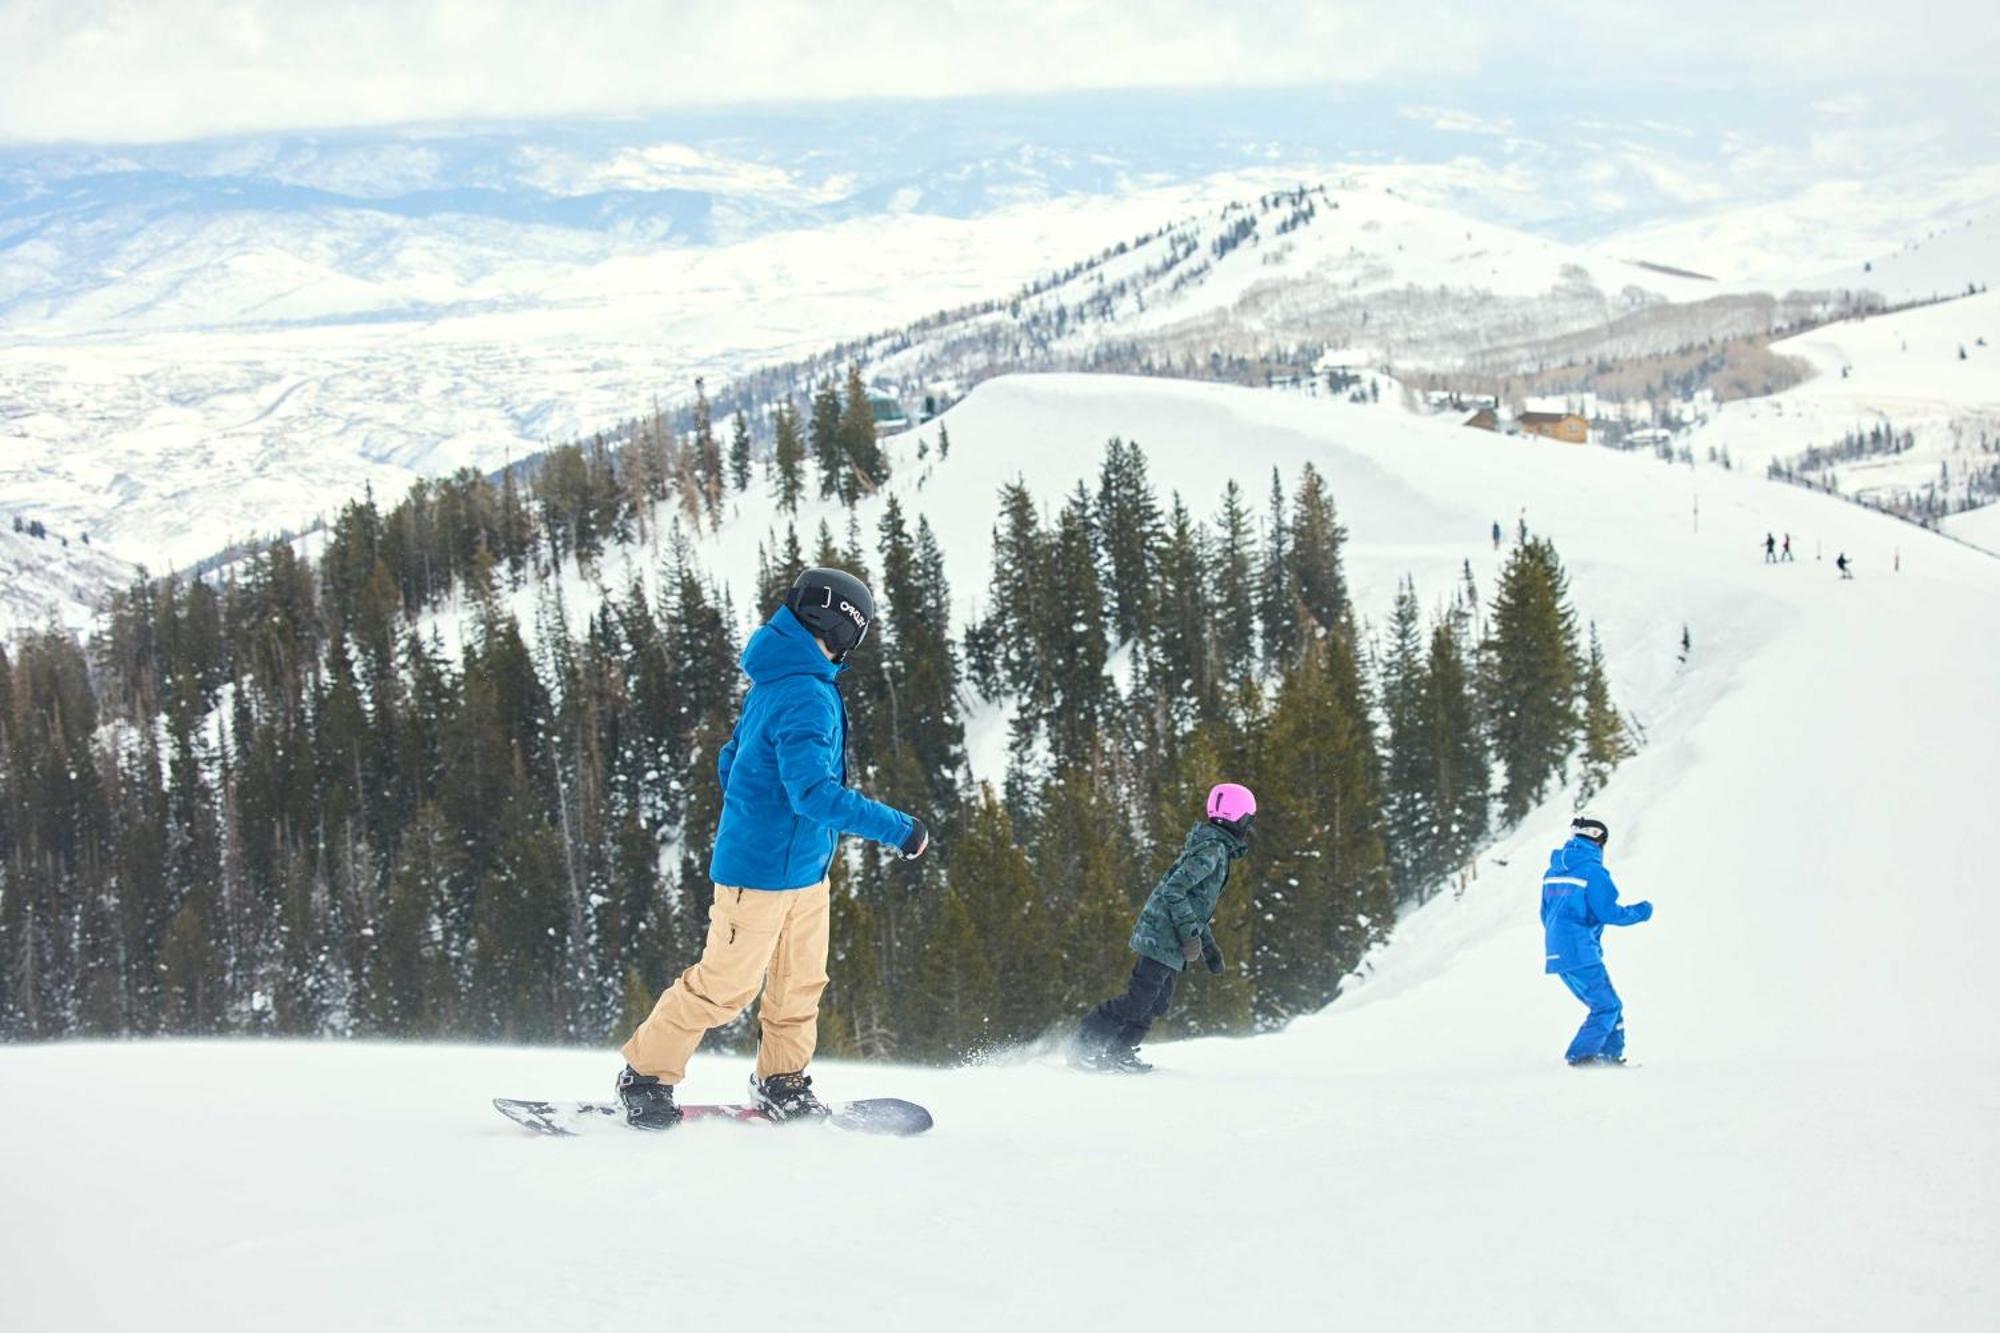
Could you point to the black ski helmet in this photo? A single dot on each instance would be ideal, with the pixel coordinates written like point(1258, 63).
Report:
point(835, 606)
point(1585, 827)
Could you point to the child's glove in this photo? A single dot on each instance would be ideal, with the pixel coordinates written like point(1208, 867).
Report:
point(920, 838)
point(1645, 910)
point(1191, 949)
point(1211, 957)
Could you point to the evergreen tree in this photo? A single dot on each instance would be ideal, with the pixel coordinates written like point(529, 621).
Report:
point(1277, 586)
point(1180, 677)
point(789, 458)
point(1605, 744)
point(826, 439)
point(1072, 632)
point(1234, 594)
point(1322, 896)
point(1015, 594)
point(1460, 774)
point(1411, 757)
point(1086, 864)
point(863, 465)
point(739, 453)
point(708, 472)
point(1128, 519)
point(1532, 668)
point(1316, 539)
point(920, 659)
point(1013, 928)
point(955, 994)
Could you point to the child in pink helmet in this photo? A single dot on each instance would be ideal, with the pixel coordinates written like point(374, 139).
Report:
point(1172, 933)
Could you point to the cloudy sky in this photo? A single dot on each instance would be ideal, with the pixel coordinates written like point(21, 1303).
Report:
point(152, 70)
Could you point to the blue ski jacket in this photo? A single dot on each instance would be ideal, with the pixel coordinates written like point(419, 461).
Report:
point(785, 799)
point(1578, 902)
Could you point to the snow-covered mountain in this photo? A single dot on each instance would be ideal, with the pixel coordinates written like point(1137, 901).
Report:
point(204, 342)
point(1355, 269)
point(1806, 1143)
point(167, 444)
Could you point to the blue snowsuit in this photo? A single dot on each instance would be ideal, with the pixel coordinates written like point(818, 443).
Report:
point(1578, 902)
point(785, 799)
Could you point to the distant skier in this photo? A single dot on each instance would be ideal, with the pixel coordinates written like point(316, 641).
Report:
point(785, 803)
point(1841, 564)
point(1687, 644)
point(1496, 534)
point(1786, 552)
point(1578, 902)
point(1770, 549)
point(1172, 934)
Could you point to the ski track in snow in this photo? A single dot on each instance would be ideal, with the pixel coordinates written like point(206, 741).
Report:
point(1811, 1142)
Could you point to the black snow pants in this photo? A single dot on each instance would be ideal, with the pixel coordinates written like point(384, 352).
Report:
point(1124, 1018)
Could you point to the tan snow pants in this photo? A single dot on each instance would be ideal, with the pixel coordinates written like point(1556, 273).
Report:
point(756, 937)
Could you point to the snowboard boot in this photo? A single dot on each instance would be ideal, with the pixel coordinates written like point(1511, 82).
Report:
point(1091, 1041)
point(1598, 1062)
point(787, 1097)
point(1119, 1058)
point(649, 1103)
point(1107, 1052)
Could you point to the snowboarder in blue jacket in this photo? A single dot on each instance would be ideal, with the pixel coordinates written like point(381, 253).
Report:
point(1172, 934)
point(785, 805)
point(1578, 902)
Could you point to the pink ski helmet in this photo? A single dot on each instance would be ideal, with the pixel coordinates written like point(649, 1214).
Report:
point(1230, 802)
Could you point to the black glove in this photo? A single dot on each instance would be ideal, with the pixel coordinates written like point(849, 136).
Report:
point(1211, 956)
point(920, 838)
point(1191, 949)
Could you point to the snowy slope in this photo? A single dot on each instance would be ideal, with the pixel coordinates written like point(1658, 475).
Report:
point(1903, 370)
point(1946, 261)
point(44, 582)
point(1827, 228)
point(1810, 1143)
point(1980, 526)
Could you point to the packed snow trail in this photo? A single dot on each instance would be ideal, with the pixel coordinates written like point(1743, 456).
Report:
point(1811, 1141)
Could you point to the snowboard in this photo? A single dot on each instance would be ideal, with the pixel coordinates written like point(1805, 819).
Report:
point(877, 1115)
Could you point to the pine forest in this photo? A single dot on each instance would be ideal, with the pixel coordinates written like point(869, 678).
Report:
point(290, 796)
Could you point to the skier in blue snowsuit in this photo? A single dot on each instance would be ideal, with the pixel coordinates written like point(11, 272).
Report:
point(1578, 902)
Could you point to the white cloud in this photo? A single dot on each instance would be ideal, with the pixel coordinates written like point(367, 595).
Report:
point(1844, 106)
point(119, 70)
